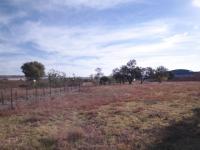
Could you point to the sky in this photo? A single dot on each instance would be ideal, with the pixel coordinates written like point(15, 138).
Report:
point(77, 36)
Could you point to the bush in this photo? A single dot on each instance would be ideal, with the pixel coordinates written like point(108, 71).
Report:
point(104, 80)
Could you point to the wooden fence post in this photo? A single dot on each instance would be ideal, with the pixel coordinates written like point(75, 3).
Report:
point(11, 98)
point(43, 91)
point(2, 98)
point(35, 93)
point(16, 95)
point(50, 89)
point(79, 87)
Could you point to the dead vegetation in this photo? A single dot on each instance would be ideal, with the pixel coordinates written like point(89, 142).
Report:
point(149, 116)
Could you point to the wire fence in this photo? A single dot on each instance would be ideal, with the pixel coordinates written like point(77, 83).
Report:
point(9, 97)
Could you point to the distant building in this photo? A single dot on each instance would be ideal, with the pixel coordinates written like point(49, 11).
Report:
point(185, 75)
point(12, 77)
point(182, 73)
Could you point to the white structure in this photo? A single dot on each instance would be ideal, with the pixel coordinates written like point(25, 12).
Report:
point(12, 77)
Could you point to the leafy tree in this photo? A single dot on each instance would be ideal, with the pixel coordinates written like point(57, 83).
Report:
point(131, 64)
point(33, 70)
point(130, 71)
point(161, 73)
point(138, 72)
point(118, 76)
point(127, 74)
point(150, 73)
point(147, 73)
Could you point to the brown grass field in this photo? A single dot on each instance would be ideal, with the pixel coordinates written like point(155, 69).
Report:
point(120, 117)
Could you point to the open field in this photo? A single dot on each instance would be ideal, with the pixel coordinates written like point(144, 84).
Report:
point(120, 117)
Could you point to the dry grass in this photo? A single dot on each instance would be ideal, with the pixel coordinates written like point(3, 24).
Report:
point(149, 116)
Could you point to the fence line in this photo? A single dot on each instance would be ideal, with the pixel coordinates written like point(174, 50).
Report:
point(10, 96)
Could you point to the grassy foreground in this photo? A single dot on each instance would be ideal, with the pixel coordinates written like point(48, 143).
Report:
point(121, 117)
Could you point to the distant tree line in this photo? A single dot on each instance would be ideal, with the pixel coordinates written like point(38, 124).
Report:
point(129, 72)
point(35, 75)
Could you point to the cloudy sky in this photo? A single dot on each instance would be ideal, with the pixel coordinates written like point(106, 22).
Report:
point(77, 36)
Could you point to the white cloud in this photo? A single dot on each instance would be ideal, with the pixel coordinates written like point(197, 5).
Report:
point(108, 46)
point(68, 43)
point(196, 3)
point(146, 42)
point(93, 41)
point(8, 18)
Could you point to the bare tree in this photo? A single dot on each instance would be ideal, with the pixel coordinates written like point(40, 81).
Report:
point(56, 78)
point(98, 74)
point(162, 73)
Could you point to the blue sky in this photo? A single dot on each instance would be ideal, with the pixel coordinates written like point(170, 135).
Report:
point(77, 36)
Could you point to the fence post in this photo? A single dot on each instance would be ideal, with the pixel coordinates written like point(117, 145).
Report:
point(79, 87)
point(15, 95)
point(2, 98)
point(43, 91)
point(50, 89)
point(11, 98)
point(35, 93)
